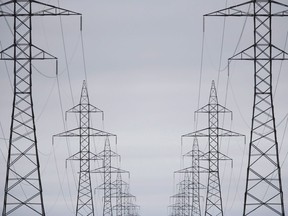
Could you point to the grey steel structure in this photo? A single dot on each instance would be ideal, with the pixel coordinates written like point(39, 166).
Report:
point(107, 170)
point(124, 205)
point(23, 188)
point(182, 199)
point(195, 171)
point(263, 194)
point(187, 200)
point(213, 156)
point(84, 156)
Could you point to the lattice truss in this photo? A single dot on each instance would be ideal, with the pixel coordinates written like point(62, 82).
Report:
point(187, 200)
point(123, 204)
point(23, 188)
point(263, 194)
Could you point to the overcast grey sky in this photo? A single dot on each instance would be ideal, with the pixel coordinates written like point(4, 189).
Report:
point(143, 61)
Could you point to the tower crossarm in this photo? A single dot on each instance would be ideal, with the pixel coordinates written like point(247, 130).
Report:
point(111, 170)
point(89, 108)
point(248, 54)
point(78, 155)
point(50, 10)
point(221, 133)
point(237, 10)
point(245, 10)
point(191, 169)
point(37, 53)
point(76, 133)
point(220, 109)
point(111, 154)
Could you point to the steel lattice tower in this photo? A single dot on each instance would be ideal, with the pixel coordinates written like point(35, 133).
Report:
point(213, 156)
point(195, 154)
point(182, 200)
point(124, 200)
point(23, 188)
point(194, 171)
point(118, 185)
point(130, 209)
point(84, 156)
point(196, 210)
point(263, 184)
point(107, 170)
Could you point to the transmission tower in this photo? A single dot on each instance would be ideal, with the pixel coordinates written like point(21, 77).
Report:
point(84, 156)
point(263, 184)
point(107, 170)
point(213, 156)
point(181, 201)
point(195, 171)
point(124, 200)
point(194, 174)
point(118, 185)
point(130, 208)
point(23, 188)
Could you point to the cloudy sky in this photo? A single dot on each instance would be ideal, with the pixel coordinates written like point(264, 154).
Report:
point(145, 62)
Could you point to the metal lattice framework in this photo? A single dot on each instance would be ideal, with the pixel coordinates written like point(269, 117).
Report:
point(84, 156)
point(194, 174)
point(213, 156)
point(107, 170)
point(118, 185)
point(182, 200)
point(124, 205)
point(23, 188)
point(195, 170)
point(264, 194)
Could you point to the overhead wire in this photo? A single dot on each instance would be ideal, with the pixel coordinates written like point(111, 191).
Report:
point(83, 54)
point(5, 141)
point(66, 58)
point(67, 141)
point(61, 185)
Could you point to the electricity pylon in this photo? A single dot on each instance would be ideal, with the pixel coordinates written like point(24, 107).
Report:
point(182, 199)
point(124, 200)
point(107, 170)
point(264, 194)
point(84, 156)
point(23, 188)
point(213, 156)
point(130, 208)
point(118, 185)
point(195, 171)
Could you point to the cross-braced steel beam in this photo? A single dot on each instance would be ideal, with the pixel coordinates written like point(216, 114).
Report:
point(23, 187)
point(213, 156)
point(84, 156)
point(263, 194)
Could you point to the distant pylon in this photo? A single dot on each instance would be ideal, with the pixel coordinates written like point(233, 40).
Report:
point(181, 200)
point(84, 156)
point(124, 200)
point(118, 185)
point(129, 207)
point(194, 171)
point(107, 170)
point(213, 156)
point(23, 188)
point(195, 154)
point(264, 194)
